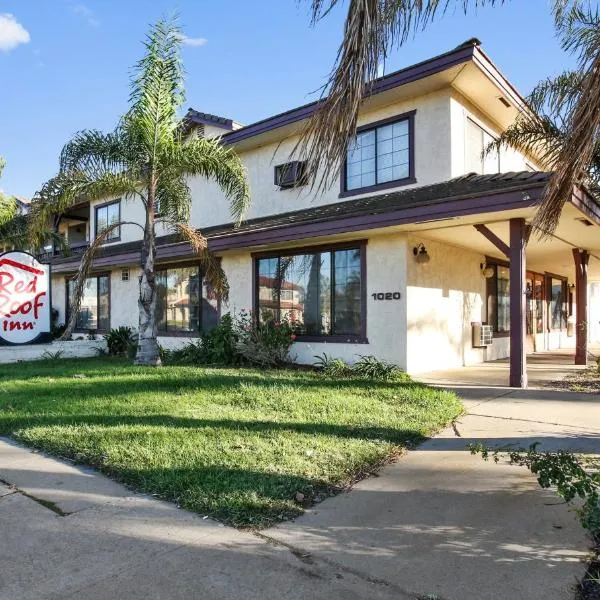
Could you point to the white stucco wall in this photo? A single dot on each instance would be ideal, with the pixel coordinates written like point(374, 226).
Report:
point(460, 110)
point(444, 297)
point(59, 293)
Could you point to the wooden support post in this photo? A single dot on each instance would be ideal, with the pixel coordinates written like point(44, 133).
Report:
point(582, 258)
point(518, 361)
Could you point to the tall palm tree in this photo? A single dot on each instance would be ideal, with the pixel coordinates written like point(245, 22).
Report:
point(374, 27)
point(146, 159)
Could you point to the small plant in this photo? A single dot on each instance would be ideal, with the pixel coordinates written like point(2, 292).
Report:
point(91, 334)
point(191, 353)
point(572, 477)
point(373, 368)
point(57, 328)
point(121, 341)
point(52, 356)
point(334, 367)
point(219, 344)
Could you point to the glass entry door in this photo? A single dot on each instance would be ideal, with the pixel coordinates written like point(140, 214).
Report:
point(534, 316)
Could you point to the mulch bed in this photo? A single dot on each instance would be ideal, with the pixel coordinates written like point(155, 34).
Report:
point(589, 588)
point(587, 381)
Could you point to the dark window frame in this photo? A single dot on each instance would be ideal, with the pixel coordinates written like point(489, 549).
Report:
point(361, 245)
point(100, 207)
point(76, 329)
point(407, 116)
point(187, 265)
point(564, 304)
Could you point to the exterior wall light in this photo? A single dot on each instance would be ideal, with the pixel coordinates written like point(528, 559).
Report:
point(421, 254)
point(486, 270)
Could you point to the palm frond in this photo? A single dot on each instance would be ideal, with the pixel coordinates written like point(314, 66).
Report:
point(156, 90)
point(93, 151)
point(209, 158)
point(372, 29)
point(210, 265)
point(173, 198)
point(580, 32)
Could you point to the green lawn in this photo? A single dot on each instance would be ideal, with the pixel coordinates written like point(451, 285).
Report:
point(236, 444)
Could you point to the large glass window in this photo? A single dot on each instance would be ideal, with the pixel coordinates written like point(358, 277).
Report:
point(94, 313)
point(476, 140)
point(379, 155)
point(320, 293)
point(185, 303)
point(107, 215)
point(499, 299)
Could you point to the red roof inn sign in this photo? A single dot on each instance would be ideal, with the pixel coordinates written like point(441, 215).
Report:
point(25, 311)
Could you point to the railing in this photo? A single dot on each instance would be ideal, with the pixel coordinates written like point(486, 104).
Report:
point(75, 250)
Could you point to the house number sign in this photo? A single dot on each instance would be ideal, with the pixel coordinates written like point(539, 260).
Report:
point(386, 295)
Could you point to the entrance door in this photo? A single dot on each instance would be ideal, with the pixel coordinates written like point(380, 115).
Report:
point(535, 314)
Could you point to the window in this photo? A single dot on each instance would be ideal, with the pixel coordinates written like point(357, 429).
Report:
point(380, 156)
point(557, 312)
point(107, 215)
point(499, 299)
point(186, 304)
point(476, 140)
point(319, 292)
point(94, 312)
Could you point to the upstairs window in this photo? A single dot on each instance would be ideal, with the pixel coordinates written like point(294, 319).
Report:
point(380, 156)
point(476, 141)
point(107, 215)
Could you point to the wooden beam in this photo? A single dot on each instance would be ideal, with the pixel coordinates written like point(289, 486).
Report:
point(494, 239)
point(582, 258)
point(518, 361)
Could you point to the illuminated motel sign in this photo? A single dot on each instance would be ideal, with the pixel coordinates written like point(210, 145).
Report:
point(25, 303)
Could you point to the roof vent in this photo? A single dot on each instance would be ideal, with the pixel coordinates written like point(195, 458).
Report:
point(504, 101)
point(585, 221)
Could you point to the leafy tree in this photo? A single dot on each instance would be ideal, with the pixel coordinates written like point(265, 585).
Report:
point(374, 27)
point(146, 159)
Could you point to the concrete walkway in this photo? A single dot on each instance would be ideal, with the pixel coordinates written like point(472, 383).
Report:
point(437, 522)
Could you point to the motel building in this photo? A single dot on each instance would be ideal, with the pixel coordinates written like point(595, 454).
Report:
point(418, 255)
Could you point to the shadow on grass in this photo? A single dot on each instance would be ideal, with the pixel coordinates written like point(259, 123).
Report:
point(9, 424)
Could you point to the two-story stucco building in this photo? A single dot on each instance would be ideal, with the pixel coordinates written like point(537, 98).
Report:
point(419, 243)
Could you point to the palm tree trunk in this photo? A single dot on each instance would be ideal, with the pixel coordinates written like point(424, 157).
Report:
point(148, 350)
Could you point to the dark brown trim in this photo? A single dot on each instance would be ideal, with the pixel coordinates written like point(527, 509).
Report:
point(410, 118)
point(491, 260)
point(99, 207)
point(309, 249)
point(493, 238)
point(432, 66)
point(518, 305)
point(334, 338)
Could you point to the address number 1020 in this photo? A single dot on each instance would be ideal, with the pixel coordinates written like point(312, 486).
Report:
point(385, 295)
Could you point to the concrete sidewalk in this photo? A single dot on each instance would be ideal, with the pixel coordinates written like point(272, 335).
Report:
point(441, 522)
point(438, 522)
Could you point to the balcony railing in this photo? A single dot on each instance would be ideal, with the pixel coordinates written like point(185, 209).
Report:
point(76, 249)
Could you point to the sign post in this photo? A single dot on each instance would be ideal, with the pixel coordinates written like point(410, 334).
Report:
point(25, 301)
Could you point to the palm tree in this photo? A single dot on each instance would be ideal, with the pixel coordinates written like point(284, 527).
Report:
point(374, 27)
point(146, 159)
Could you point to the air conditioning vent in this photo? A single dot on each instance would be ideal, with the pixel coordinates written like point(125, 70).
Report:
point(482, 335)
point(125, 274)
point(292, 174)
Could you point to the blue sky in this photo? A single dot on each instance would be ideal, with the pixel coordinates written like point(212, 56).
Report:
point(65, 64)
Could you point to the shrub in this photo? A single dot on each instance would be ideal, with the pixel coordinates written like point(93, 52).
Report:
point(334, 367)
point(219, 344)
point(267, 343)
point(57, 328)
point(570, 475)
point(121, 341)
point(373, 368)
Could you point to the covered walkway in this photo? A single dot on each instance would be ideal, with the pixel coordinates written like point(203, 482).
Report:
point(544, 369)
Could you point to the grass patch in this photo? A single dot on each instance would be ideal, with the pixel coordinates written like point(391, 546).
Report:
point(235, 444)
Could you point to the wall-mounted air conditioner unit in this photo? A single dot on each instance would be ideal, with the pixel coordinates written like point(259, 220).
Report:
point(290, 174)
point(482, 335)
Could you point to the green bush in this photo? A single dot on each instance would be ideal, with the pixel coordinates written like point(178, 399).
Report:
point(121, 341)
point(367, 366)
point(267, 343)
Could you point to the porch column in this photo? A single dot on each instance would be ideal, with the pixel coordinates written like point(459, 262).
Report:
point(582, 258)
point(518, 362)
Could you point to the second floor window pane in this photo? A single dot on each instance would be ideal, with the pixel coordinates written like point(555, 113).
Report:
point(106, 216)
point(379, 155)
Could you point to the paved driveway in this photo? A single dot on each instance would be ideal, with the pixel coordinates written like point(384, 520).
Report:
point(439, 521)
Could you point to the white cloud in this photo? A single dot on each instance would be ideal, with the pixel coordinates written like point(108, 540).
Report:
point(86, 13)
point(195, 42)
point(12, 33)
